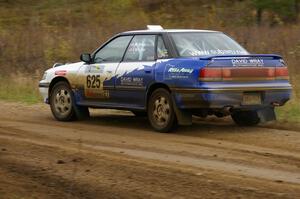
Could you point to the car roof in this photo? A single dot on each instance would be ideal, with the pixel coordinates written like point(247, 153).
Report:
point(167, 31)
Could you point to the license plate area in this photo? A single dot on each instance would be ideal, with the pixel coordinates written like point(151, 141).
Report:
point(252, 98)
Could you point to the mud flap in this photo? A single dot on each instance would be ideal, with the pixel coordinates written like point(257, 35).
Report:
point(184, 117)
point(266, 114)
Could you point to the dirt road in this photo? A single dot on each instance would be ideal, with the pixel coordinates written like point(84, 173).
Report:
point(116, 155)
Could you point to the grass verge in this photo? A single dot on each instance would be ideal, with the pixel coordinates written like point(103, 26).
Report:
point(16, 88)
point(290, 112)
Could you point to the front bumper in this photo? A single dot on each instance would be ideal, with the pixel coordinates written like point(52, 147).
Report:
point(44, 88)
point(217, 98)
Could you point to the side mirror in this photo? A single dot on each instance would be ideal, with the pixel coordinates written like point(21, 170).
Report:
point(86, 57)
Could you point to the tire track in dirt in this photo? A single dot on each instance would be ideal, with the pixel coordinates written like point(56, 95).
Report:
point(115, 176)
point(231, 167)
point(220, 158)
point(205, 148)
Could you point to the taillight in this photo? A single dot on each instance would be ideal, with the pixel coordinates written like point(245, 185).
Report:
point(211, 74)
point(282, 73)
point(243, 74)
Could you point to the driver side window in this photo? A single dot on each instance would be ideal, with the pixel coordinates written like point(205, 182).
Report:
point(113, 51)
point(141, 48)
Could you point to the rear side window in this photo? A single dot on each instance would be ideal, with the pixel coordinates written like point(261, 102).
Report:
point(141, 48)
point(113, 51)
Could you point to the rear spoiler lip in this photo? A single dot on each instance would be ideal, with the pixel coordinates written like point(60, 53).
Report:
point(274, 56)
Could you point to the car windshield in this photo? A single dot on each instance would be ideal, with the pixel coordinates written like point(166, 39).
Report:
point(191, 44)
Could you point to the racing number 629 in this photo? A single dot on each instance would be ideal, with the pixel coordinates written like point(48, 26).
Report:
point(93, 81)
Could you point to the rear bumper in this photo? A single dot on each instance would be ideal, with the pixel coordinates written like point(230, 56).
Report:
point(228, 97)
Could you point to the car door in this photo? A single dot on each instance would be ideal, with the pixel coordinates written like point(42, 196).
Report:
point(99, 76)
point(135, 72)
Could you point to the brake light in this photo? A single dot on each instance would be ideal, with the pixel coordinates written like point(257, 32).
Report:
point(243, 74)
point(282, 73)
point(211, 74)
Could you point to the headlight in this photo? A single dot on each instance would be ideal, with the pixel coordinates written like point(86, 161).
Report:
point(44, 76)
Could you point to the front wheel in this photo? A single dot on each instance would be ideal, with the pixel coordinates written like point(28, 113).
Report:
point(161, 113)
point(245, 118)
point(63, 105)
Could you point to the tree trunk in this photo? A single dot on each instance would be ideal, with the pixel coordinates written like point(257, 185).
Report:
point(258, 15)
point(297, 7)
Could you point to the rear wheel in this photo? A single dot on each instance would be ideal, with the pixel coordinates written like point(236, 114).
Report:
point(245, 118)
point(63, 105)
point(161, 113)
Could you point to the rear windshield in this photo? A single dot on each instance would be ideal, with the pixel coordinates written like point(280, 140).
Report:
point(191, 44)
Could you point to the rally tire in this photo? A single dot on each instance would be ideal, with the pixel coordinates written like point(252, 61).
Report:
point(161, 114)
point(62, 104)
point(245, 118)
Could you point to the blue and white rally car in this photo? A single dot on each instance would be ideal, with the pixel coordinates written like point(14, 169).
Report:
point(170, 75)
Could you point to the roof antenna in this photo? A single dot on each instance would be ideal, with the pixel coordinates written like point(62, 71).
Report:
point(154, 27)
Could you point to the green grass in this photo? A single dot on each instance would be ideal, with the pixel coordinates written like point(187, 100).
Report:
point(290, 112)
point(19, 89)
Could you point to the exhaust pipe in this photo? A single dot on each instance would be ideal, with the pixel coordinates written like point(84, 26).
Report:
point(275, 104)
point(227, 110)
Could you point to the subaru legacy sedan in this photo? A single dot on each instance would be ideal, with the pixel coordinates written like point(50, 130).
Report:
point(169, 75)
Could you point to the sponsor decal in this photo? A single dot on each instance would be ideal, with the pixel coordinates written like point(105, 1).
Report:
point(61, 72)
point(136, 47)
point(99, 94)
point(177, 72)
point(247, 62)
point(97, 68)
point(132, 81)
point(180, 70)
point(217, 52)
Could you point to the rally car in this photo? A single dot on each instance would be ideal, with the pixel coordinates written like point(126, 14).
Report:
point(169, 76)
